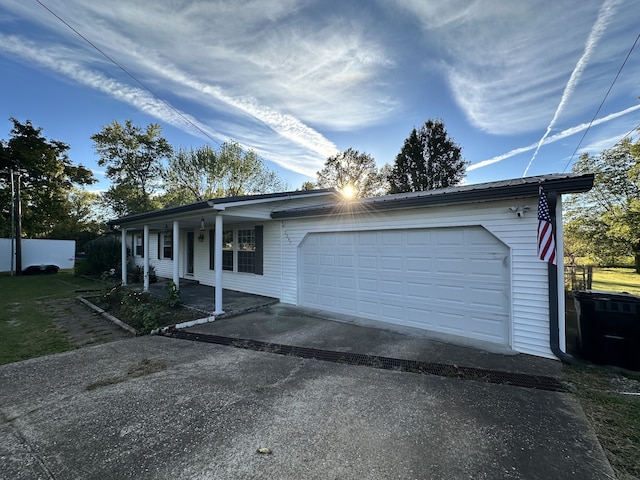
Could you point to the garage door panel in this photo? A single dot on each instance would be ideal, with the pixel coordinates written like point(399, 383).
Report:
point(348, 305)
point(449, 237)
point(393, 313)
point(346, 282)
point(366, 239)
point(487, 267)
point(420, 238)
point(450, 294)
point(451, 280)
point(487, 298)
point(345, 260)
point(310, 279)
point(449, 265)
point(326, 281)
point(389, 287)
point(417, 264)
point(327, 301)
point(391, 264)
point(310, 260)
point(326, 260)
point(367, 285)
point(390, 239)
point(370, 308)
point(367, 261)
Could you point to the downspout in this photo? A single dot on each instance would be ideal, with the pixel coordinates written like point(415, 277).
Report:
point(554, 324)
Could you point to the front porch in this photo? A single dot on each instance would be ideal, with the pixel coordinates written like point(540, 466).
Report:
point(202, 298)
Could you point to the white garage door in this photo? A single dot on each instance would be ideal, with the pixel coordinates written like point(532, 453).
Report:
point(448, 280)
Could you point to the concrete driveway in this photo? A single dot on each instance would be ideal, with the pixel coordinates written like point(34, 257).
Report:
point(164, 408)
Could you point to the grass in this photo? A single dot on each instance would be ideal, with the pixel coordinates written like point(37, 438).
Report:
point(606, 394)
point(26, 328)
point(616, 280)
point(607, 398)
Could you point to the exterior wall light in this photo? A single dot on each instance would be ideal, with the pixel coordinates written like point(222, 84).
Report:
point(520, 210)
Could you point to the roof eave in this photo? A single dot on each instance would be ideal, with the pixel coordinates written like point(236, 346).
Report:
point(216, 204)
point(576, 184)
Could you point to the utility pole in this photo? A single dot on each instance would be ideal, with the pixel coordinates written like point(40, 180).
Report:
point(13, 223)
point(18, 227)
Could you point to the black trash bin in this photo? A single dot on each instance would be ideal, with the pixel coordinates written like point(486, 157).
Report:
point(609, 327)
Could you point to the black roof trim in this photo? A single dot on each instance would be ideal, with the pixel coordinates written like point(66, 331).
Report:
point(194, 207)
point(500, 190)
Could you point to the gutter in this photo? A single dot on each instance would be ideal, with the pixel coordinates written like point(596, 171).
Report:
point(554, 324)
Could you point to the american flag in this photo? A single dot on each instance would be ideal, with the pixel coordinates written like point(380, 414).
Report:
point(546, 242)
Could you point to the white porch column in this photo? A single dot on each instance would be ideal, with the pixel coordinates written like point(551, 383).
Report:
point(123, 257)
point(176, 254)
point(145, 249)
point(217, 258)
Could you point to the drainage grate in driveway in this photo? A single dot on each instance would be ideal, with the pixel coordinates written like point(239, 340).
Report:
point(538, 382)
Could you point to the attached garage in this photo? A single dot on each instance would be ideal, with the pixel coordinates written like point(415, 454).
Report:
point(449, 280)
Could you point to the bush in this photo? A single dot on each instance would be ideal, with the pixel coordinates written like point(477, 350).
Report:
point(139, 309)
point(172, 300)
point(102, 254)
point(135, 273)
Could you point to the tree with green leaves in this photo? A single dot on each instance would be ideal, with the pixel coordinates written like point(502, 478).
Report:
point(46, 177)
point(85, 220)
point(429, 159)
point(134, 159)
point(606, 220)
point(351, 170)
point(204, 173)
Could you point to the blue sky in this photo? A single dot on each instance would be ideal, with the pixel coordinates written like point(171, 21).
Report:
point(516, 83)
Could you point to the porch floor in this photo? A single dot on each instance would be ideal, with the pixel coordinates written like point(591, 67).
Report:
point(202, 298)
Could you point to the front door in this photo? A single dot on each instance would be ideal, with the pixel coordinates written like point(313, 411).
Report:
point(190, 240)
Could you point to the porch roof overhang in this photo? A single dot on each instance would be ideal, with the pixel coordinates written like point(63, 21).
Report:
point(466, 194)
point(190, 215)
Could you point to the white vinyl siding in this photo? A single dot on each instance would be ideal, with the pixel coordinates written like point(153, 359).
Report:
point(529, 283)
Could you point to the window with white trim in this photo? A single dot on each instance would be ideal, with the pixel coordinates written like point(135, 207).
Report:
point(247, 250)
point(138, 244)
point(228, 246)
point(242, 250)
point(167, 245)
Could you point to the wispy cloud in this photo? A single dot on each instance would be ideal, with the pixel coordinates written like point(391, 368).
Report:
point(268, 68)
point(294, 66)
point(604, 17)
point(503, 61)
point(59, 60)
point(553, 138)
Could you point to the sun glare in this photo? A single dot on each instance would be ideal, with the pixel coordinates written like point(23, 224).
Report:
point(348, 192)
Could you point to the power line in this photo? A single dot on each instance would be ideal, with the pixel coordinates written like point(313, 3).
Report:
point(602, 103)
point(133, 77)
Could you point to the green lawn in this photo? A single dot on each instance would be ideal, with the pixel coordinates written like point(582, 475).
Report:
point(616, 280)
point(26, 329)
point(610, 400)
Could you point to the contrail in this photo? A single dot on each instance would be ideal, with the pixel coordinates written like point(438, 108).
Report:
point(604, 16)
point(553, 138)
